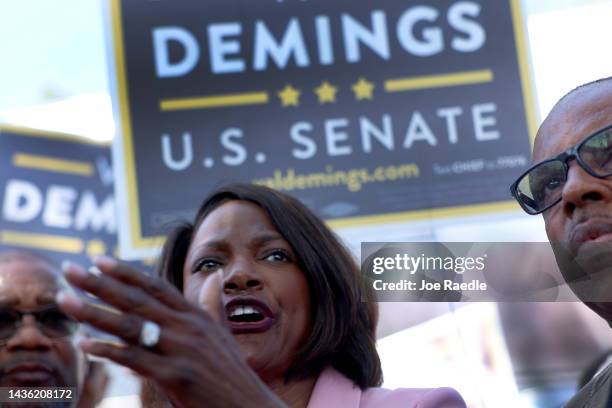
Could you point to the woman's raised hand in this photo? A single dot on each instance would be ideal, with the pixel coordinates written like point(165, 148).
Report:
point(192, 358)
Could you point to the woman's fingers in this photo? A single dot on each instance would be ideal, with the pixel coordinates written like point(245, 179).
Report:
point(124, 326)
point(139, 359)
point(158, 288)
point(134, 307)
point(126, 298)
point(209, 297)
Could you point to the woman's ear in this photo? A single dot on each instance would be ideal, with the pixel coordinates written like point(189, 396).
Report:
point(174, 252)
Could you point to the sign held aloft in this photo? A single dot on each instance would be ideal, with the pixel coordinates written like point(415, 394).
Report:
point(363, 111)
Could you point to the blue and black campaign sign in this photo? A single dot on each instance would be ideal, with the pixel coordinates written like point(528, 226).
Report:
point(56, 195)
point(365, 111)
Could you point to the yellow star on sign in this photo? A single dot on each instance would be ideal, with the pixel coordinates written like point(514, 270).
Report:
point(326, 92)
point(363, 89)
point(289, 96)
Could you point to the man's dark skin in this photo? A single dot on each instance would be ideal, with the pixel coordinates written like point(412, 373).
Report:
point(582, 221)
point(30, 358)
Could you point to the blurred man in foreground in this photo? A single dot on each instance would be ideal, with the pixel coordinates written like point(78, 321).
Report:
point(570, 185)
point(37, 340)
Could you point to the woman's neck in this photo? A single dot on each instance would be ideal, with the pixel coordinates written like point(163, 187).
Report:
point(295, 394)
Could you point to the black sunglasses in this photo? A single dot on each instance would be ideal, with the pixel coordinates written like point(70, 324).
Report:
point(541, 186)
point(51, 321)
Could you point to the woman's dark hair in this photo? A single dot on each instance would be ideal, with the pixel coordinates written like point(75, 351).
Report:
point(343, 313)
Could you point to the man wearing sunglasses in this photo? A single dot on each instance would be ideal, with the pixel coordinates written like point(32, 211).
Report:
point(37, 340)
point(571, 186)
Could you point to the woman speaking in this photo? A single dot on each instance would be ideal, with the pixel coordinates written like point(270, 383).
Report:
point(275, 313)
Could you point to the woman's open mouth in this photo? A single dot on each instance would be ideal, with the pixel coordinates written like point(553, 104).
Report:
point(248, 315)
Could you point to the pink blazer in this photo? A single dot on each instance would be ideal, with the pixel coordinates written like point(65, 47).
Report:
point(333, 389)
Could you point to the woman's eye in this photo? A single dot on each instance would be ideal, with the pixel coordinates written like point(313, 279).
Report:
point(206, 265)
point(278, 255)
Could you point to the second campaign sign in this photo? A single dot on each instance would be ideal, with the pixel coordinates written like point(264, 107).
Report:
point(56, 195)
point(362, 110)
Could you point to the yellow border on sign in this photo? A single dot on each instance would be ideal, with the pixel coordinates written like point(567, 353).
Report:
point(520, 38)
point(47, 134)
point(419, 215)
point(137, 240)
point(140, 242)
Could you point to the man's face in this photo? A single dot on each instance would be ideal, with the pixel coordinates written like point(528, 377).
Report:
point(29, 358)
point(583, 218)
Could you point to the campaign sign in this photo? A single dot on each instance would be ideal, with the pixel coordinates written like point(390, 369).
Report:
point(365, 111)
point(56, 195)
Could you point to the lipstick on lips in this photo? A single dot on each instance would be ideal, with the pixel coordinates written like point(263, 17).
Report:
point(248, 315)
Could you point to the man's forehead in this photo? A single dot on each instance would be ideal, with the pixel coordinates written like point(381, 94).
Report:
point(575, 117)
point(27, 281)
